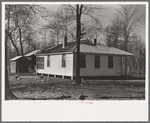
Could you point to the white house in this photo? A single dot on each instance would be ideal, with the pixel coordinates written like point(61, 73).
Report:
point(95, 60)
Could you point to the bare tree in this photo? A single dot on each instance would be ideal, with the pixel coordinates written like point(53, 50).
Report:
point(68, 23)
point(64, 21)
point(130, 19)
point(8, 92)
point(60, 23)
point(19, 18)
point(9, 31)
point(78, 36)
point(55, 29)
point(21, 23)
point(113, 32)
point(81, 10)
point(137, 47)
point(108, 35)
point(116, 32)
point(17, 22)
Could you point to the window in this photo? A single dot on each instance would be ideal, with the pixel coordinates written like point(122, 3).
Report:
point(97, 61)
point(48, 61)
point(40, 63)
point(63, 60)
point(110, 61)
point(82, 61)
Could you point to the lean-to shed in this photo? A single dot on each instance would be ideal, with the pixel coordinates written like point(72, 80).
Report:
point(19, 64)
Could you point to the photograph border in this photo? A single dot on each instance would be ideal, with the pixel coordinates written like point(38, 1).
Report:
point(13, 108)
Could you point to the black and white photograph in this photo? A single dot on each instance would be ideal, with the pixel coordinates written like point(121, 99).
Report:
point(82, 55)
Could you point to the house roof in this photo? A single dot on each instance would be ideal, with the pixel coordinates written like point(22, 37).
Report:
point(15, 58)
point(102, 50)
point(69, 48)
point(85, 47)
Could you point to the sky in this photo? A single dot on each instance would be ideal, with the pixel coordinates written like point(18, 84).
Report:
point(108, 15)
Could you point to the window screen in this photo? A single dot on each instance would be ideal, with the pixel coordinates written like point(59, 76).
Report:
point(40, 63)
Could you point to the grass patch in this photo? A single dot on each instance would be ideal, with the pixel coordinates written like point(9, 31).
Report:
point(31, 87)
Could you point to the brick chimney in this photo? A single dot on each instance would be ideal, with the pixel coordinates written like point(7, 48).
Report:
point(65, 42)
point(95, 42)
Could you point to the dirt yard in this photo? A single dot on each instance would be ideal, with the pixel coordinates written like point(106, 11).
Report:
point(48, 88)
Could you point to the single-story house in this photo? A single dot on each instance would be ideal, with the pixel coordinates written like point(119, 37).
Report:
point(95, 60)
point(19, 64)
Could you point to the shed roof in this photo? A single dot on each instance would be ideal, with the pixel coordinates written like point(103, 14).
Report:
point(86, 47)
point(33, 53)
point(15, 58)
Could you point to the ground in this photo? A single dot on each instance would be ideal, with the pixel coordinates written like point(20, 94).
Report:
point(30, 86)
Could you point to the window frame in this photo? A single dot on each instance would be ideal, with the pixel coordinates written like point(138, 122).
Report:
point(63, 65)
point(110, 62)
point(40, 63)
point(48, 61)
point(97, 61)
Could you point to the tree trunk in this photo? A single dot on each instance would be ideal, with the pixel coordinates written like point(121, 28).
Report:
point(116, 42)
point(126, 49)
point(13, 43)
point(8, 92)
point(125, 65)
point(8, 33)
point(78, 35)
point(21, 41)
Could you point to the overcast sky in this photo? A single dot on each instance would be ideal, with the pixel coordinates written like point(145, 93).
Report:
point(109, 14)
